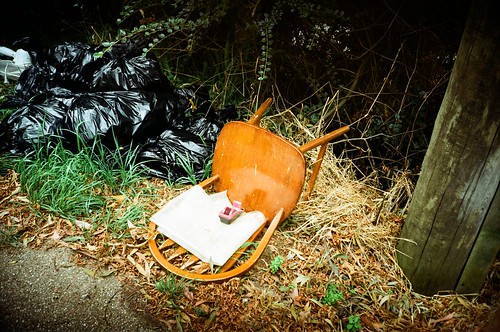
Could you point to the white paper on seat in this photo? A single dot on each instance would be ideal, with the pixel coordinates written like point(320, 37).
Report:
point(192, 220)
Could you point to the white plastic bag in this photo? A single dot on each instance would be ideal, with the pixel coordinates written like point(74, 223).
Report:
point(12, 69)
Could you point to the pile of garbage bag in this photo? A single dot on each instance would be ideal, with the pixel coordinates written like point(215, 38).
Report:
point(76, 93)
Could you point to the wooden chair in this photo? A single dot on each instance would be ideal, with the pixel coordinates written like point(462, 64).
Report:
point(261, 170)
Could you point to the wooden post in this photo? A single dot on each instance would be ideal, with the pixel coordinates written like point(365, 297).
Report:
point(451, 234)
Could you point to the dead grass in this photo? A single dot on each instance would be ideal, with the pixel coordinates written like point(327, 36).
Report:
point(345, 235)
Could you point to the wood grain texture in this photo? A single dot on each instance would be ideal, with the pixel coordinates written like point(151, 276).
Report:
point(460, 174)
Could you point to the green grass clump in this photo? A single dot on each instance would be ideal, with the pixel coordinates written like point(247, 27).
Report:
point(172, 286)
point(10, 236)
point(74, 184)
point(5, 91)
point(119, 226)
point(61, 182)
point(6, 162)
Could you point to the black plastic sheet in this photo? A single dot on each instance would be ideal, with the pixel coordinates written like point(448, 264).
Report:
point(120, 97)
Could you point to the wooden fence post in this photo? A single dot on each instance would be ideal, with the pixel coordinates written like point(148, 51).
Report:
point(451, 234)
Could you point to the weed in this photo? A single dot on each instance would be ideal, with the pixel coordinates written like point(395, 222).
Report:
point(61, 182)
point(192, 175)
point(333, 295)
point(248, 248)
point(200, 312)
point(119, 225)
point(188, 167)
point(5, 91)
point(5, 112)
point(6, 162)
point(287, 288)
point(118, 168)
point(265, 28)
point(171, 286)
point(275, 264)
point(170, 183)
point(124, 166)
point(73, 184)
point(10, 236)
point(207, 170)
point(354, 323)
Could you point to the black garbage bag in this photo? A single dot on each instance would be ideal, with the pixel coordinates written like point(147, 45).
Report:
point(116, 75)
point(73, 65)
point(119, 97)
point(117, 117)
point(124, 67)
point(31, 125)
point(184, 151)
point(69, 66)
point(199, 117)
point(177, 155)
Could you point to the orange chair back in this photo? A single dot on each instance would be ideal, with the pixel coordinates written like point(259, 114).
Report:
point(258, 168)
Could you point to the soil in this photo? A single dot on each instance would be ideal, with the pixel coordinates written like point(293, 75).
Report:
point(43, 290)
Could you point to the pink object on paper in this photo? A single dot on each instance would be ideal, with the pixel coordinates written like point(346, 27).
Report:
point(228, 214)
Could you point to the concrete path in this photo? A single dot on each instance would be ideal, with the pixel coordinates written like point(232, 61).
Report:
point(42, 290)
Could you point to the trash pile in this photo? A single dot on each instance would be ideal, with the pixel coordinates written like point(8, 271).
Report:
point(79, 93)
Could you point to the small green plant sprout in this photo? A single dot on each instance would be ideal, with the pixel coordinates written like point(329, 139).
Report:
point(333, 295)
point(275, 264)
point(171, 286)
point(354, 323)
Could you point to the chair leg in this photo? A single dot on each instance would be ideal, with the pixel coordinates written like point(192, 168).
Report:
point(314, 175)
point(255, 119)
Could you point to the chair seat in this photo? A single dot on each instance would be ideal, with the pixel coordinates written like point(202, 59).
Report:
point(192, 221)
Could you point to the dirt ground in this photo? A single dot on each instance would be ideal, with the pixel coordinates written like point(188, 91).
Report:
point(56, 276)
point(43, 290)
